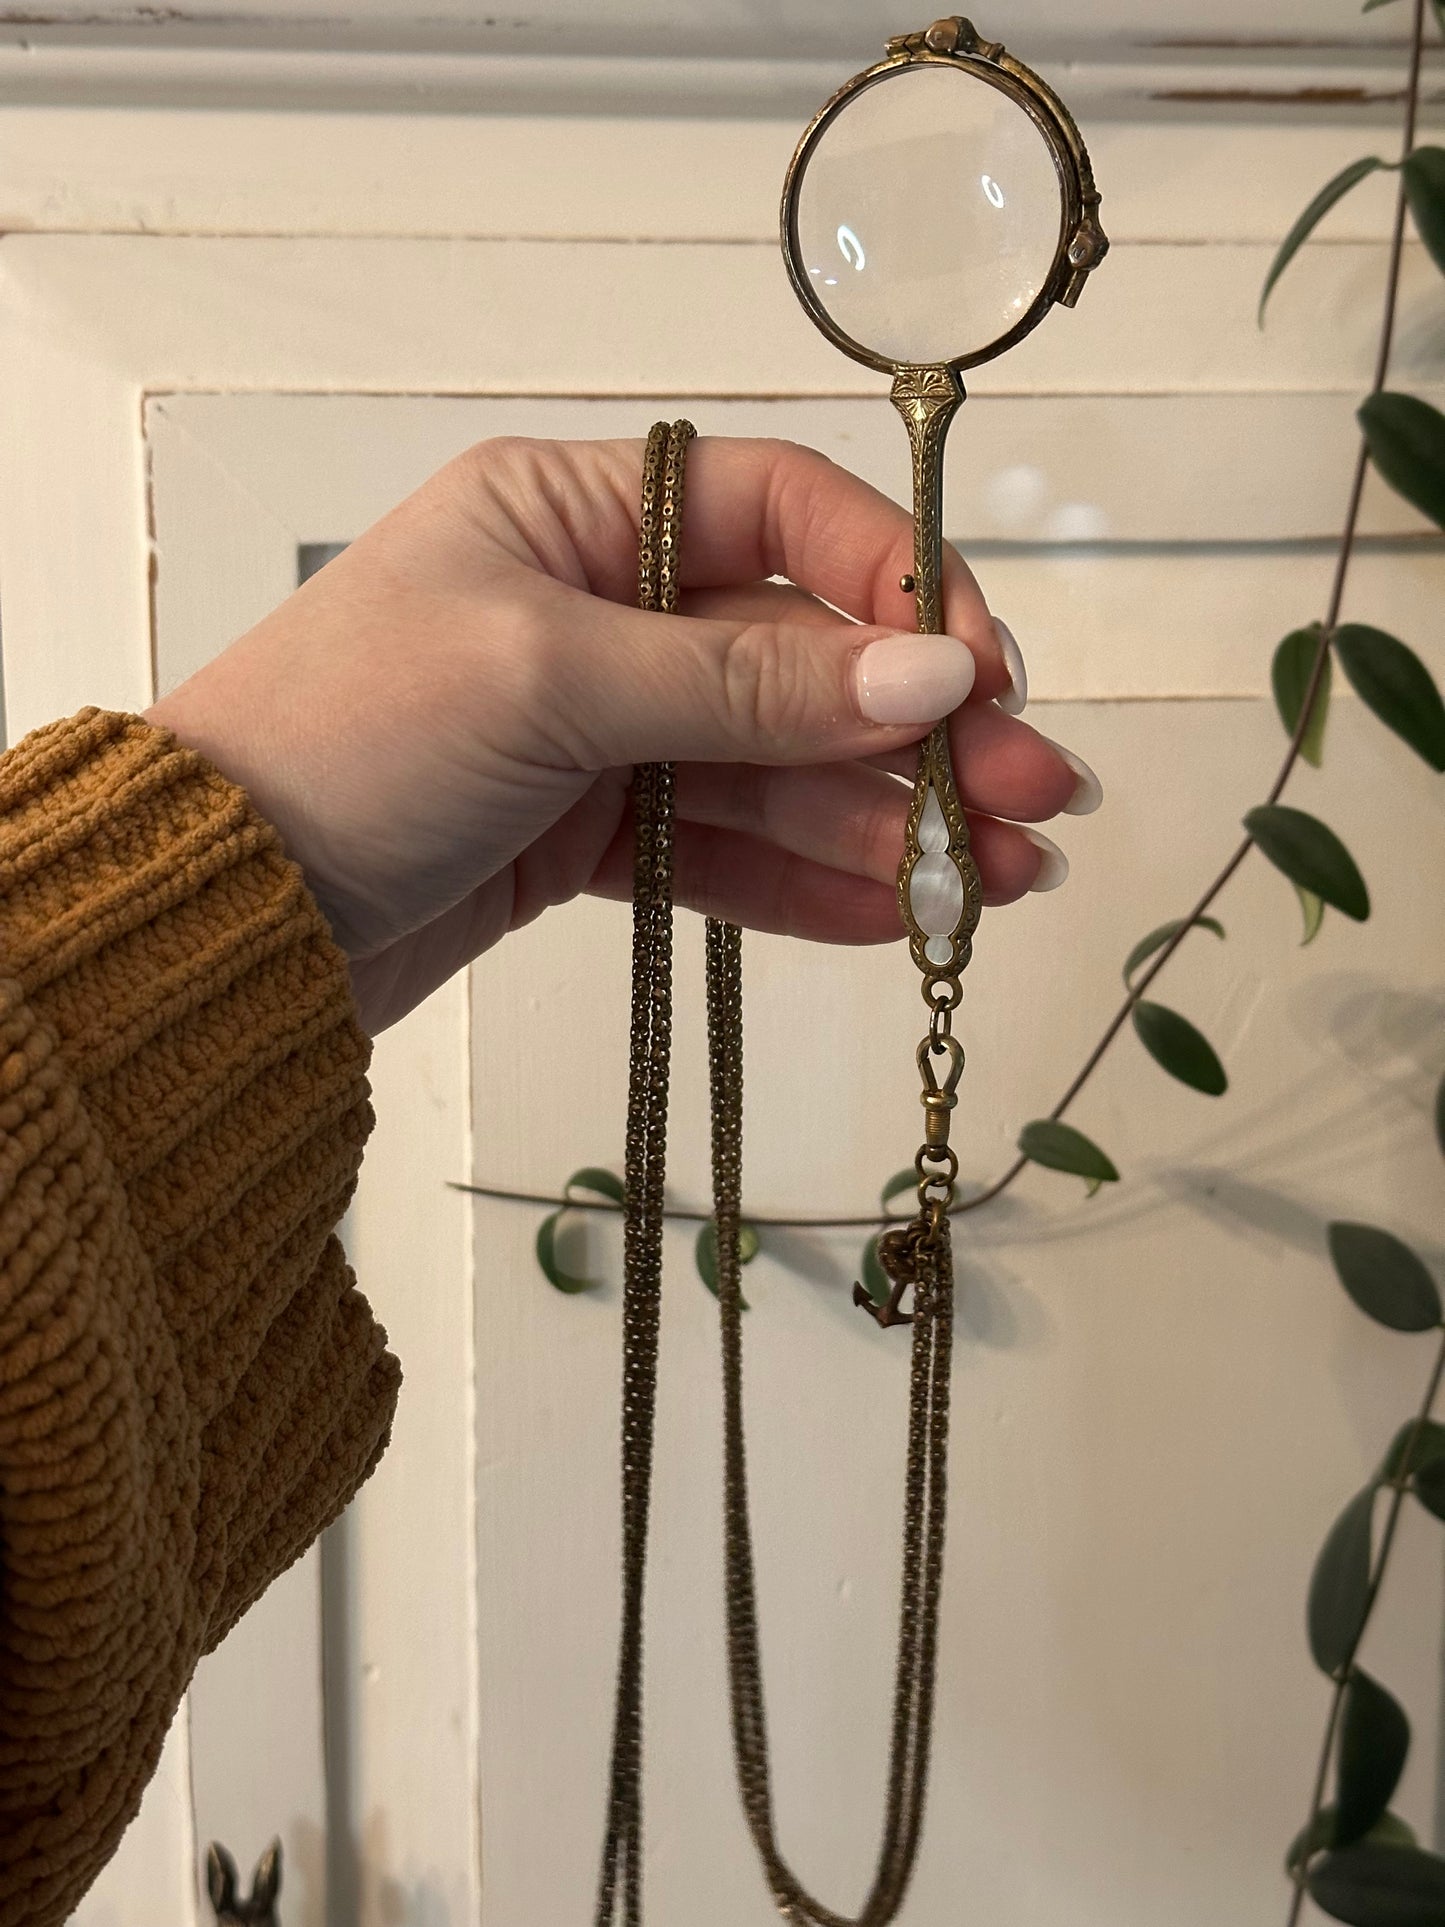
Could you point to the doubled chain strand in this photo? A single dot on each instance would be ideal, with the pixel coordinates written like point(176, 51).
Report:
point(644, 1175)
point(920, 1257)
point(925, 1486)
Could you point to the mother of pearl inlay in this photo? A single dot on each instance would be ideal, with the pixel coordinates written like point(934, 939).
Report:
point(935, 888)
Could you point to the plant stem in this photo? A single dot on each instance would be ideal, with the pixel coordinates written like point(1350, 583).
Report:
point(1331, 621)
point(1377, 1576)
point(1337, 592)
point(677, 1212)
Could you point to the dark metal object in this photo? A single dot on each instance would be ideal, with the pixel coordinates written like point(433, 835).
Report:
point(230, 1909)
point(644, 1171)
point(916, 1257)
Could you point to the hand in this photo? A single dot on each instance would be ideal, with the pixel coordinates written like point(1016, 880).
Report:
point(442, 722)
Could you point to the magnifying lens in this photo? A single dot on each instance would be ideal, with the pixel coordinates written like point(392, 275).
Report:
point(936, 208)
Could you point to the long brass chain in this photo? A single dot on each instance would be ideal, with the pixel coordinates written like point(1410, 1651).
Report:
point(644, 1173)
point(917, 1256)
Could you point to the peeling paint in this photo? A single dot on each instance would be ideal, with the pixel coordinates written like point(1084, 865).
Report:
point(1238, 43)
point(1287, 97)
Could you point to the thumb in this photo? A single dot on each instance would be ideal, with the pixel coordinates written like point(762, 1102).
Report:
point(659, 688)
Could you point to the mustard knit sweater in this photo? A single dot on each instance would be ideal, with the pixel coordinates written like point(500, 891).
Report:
point(191, 1386)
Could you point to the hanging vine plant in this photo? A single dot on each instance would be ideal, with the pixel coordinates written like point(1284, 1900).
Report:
point(1356, 1858)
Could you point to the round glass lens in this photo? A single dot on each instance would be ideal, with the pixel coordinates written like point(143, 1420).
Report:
point(928, 215)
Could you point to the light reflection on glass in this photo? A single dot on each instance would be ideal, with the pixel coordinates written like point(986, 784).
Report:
point(850, 247)
point(947, 267)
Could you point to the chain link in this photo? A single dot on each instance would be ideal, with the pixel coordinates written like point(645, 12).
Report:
point(919, 1254)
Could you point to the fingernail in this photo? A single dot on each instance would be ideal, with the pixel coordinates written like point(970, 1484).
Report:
point(912, 679)
point(1088, 790)
point(1017, 694)
point(1053, 864)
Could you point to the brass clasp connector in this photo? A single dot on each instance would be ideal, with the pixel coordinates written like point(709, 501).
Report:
point(939, 1099)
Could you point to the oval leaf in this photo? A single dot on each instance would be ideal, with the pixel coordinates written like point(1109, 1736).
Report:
point(1428, 1486)
point(1329, 194)
point(1378, 1886)
point(1340, 1585)
point(1406, 440)
point(1374, 1740)
point(548, 1260)
point(705, 1255)
point(1414, 1447)
point(606, 1184)
point(1388, 1831)
point(1385, 1278)
point(875, 1279)
point(1310, 853)
point(900, 1182)
point(1313, 910)
point(1290, 674)
point(1437, 6)
point(1061, 1148)
point(1391, 679)
point(1425, 190)
point(1186, 1053)
point(1157, 939)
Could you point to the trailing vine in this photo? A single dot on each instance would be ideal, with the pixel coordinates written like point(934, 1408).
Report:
point(1357, 1859)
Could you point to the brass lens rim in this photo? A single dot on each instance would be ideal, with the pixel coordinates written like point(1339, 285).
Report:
point(1081, 244)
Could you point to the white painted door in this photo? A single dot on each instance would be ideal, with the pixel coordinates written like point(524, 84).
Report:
point(1162, 1395)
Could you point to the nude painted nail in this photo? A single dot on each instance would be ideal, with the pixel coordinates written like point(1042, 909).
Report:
point(1053, 864)
point(1088, 790)
point(1012, 701)
point(912, 679)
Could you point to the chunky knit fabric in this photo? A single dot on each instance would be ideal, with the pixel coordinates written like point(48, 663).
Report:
point(191, 1386)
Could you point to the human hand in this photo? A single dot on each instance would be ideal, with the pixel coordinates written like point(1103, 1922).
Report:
point(442, 723)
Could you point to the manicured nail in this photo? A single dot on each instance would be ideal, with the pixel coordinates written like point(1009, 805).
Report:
point(1088, 790)
point(912, 679)
point(1012, 701)
point(1053, 864)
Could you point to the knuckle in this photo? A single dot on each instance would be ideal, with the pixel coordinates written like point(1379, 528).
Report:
point(765, 686)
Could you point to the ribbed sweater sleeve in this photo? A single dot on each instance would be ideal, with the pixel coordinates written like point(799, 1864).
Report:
point(191, 1385)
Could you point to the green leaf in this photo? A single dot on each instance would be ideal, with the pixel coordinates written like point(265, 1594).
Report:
point(1157, 939)
point(1061, 1148)
point(1313, 908)
point(1186, 1053)
point(1374, 1740)
point(1290, 672)
point(1388, 1831)
point(1385, 1278)
point(606, 1184)
point(1423, 1450)
point(1329, 194)
point(1438, 7)
point(1406, 440)
point(1425, 191)
point(1392, 680)
point(1440, 1117)
point(1378, 1886)
point(1429, 1487)
point(900, 1181)
point(876, 1281)
point(705, 1254)
point(1310, 853)
point(1340, 1585)
point(547, 1259)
